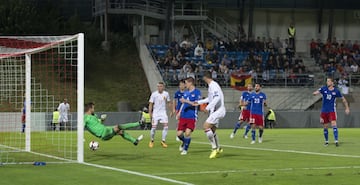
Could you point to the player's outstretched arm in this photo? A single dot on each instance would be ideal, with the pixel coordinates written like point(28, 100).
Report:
point(316, 92)
point(347, 109)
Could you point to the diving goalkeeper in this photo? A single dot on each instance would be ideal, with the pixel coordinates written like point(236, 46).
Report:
point(94, 125)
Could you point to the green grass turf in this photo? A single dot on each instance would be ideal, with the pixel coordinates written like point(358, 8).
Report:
point(287, 156)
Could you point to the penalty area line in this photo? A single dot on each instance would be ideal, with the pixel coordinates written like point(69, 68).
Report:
point(258, 170)
point(136, 173)
point(285, 151)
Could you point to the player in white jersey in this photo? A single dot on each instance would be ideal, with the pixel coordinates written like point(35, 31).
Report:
point(64, 110)
point(157, 111)
point(216, 110)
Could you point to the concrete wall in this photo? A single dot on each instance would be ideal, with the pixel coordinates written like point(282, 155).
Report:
point(285, 119)
point(274, 23)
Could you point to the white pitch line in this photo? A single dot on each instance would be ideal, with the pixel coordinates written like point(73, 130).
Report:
point(105, 167)
point(258, 170)
point(286, 151)
point(137, 173)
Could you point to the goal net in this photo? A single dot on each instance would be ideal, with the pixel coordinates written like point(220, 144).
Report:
point(36, 74)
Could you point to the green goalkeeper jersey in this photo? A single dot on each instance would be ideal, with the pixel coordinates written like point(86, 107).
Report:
point(95, 127)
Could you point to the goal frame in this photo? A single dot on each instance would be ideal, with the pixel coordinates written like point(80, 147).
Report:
point(80, 93)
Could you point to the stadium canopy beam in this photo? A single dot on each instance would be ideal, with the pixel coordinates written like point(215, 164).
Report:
point(168, 20)
point(251, 18)
point(331, 23)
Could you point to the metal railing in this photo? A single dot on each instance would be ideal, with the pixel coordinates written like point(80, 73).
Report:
point(221, 28)
point(280, 79)
point(151, 7)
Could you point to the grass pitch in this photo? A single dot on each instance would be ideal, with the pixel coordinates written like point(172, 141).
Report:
point(286, 156)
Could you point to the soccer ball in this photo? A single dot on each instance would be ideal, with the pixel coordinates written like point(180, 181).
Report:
point(94, 145)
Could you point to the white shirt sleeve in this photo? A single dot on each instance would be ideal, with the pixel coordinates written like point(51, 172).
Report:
point(214, 102)
point(151, 100)
point(206, 100)
point(168, 97)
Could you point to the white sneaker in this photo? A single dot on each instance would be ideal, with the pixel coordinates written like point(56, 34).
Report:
point(252, 142)
point(232, 135)
point(184, 152)
point(181, 148)
point(260, 139)
point(140, 137)
point(245, 136)
point(177, 138)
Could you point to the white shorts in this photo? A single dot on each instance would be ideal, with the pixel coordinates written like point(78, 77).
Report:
point(216, 116)
point(63, 119)
point(159, 119)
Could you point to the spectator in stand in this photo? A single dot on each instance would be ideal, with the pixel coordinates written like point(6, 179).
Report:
point(356, 56)
point(349, 45)
point(174, 63)
point(169, 53)
point(259, 46)
point(356, 46)
point(277, 44)
point(222, 67)
point(180, 58)
point(292, 33)
point(313, 46)
point(199, 51)
point(354, 67)
point(285, 45)
point(185, 43)
point(186, 68)
point(270, 45)
point(226, 60)
point(173, 44)
point(190, 73)
point(334, 42)
point(213, 73)
point(209, 44)
point(222, 45)
point(215, 57)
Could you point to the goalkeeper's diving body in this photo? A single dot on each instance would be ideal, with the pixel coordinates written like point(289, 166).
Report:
point(94, 125)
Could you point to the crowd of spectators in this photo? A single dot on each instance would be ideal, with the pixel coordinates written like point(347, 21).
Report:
point(336, 59)
point(266, 60)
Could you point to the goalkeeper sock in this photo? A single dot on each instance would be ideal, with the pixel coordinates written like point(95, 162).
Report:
point(326, 134)
point(23, 128)
point(187, 141)
point(128, 125)
point(247, 129)
point(336, 133)
point(127, 137)
point(237, 126)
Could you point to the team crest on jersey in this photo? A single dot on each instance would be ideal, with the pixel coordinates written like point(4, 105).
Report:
point(193, 95)
point(333, 93)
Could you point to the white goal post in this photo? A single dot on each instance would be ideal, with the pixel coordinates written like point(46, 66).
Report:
point(36, 74)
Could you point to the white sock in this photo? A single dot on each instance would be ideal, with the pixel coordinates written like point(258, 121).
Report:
point(152, 133)
point(209, 133)
point(164, 132)
point(216, 138)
